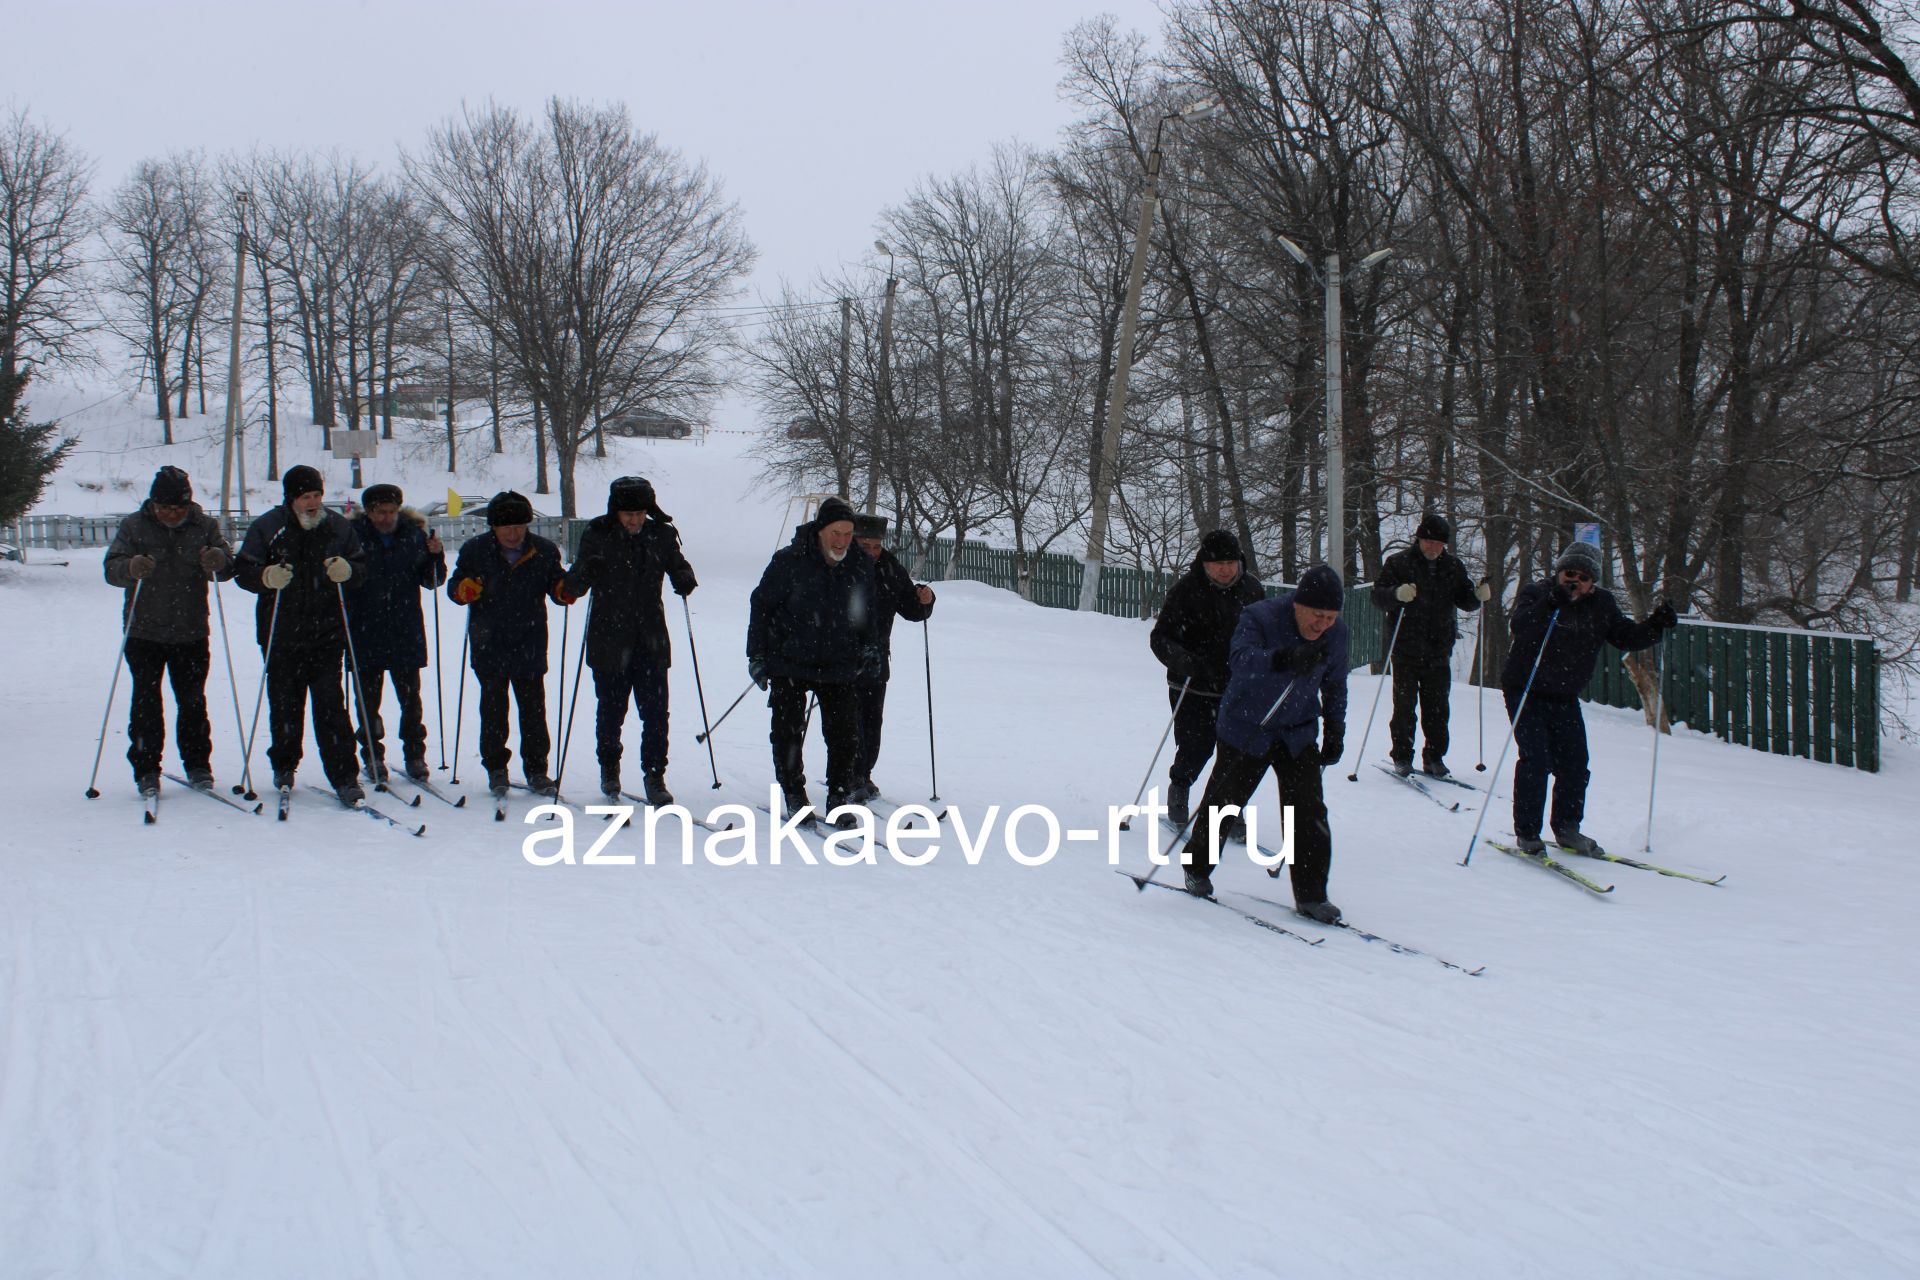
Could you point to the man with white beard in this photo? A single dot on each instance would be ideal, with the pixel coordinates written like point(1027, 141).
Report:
point(298, 558)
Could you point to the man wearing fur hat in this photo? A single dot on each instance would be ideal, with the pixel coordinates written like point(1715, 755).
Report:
point(1421, 590)
point(504, 578)
point(404, 558)
point(895, 594)
point(623, 557)
point(1191, 637)
point(298, 558)
point(169, 548)
point(809, 631)
point(1561, 621)
point(1285, 709)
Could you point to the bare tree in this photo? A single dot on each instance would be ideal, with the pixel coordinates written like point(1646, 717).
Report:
point(44, 220)
point(155, 218)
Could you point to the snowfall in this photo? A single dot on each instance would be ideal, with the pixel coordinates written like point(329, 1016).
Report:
point(325, 1048)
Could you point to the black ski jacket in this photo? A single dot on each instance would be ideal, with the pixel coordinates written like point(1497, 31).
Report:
point(507, 625)
point(389, 632)
point(813, 620)
point(1193, 636)
point(1432, 619)
point(1583, 626)
point(894, 595)
point(623, 571)
point(309, 606)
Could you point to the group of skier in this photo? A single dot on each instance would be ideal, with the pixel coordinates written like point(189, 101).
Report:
point(342, 597)
point(1261, 684)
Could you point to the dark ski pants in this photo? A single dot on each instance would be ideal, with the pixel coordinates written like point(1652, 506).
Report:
point(1423, 682)
point(646, 684)
point(1193, 734)
point(1551, 738)
point(413, 721)
point(871, 699)
point(296, 677)
point(185, 665)
point(530, 695)
point(1236, 775)
point(839, 725)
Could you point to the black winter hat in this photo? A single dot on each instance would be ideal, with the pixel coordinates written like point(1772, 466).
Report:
point(832, 511)
point(866, 526)
point(299, 480)
point(1320, 589)
point(376, 494)
point(1580, 555)
point(1220, 545)
point(171, 488)
point(630, 493)
point(1435, 526)
point(508, 507)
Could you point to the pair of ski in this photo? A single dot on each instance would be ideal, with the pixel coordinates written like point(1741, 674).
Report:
point(1544, 859)
point(1422, 783)
point(150, 813)
point(285, 807)
point(1399, 948)
point(420, 787)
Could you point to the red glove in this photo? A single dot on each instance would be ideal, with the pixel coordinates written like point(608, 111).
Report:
point(466, 591)
point(561, 594)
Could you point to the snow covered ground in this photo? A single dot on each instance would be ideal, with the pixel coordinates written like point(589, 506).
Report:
point(234, 1048)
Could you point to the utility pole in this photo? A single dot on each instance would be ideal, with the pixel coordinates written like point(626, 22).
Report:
point(846, 366)
point(447, 295)
point(241, 201)
point(883, 402)
point(1336, 428)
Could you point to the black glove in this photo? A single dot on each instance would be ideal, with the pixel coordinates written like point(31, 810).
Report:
point(1333, 744)
point(757, 668)
point(1301, 658)
point(139, 567)
point(1663, 616)
point(683, 584)
point(1560, 595)
point(1179, 663)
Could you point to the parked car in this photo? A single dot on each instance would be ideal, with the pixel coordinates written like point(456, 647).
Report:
point(657, 425)
point(470, 504)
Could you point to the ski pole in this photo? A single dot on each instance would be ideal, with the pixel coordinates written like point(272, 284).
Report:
point(460, 697)
point(559, 704)
point(266, 660)
point(933, 759)
point(579, 663)
point(119, 659)
point(360, 691)
point(226, 645)
point(1386, 675)
point(1274, 710)
point(1126, 823)
point(706, 734)
point(1659, 715)
point(439, 682)
point(1140, 883)
point(1480, 643)
point(1513, 730)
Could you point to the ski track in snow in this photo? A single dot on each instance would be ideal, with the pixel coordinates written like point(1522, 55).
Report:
point(234, 1047)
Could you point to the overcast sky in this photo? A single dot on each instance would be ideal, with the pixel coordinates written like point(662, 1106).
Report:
point(815, 115)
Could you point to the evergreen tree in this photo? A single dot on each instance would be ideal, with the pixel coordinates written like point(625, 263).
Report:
point(27, 462)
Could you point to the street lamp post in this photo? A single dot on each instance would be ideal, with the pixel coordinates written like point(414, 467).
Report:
point(883, 400)
point(1336, 385)
point(1106, 462)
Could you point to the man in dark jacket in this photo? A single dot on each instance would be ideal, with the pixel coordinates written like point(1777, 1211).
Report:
point(505, 577)
point(895, 594)
point(404, 558)
point(298, 558)
point(810, 631)
point(1420, 591)
point(1288, 686)
point(1192, 638)
point(1560, 623)
point(623, 556)
point(170, 547)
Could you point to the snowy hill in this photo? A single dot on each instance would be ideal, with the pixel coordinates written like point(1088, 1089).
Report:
point(234, 1048)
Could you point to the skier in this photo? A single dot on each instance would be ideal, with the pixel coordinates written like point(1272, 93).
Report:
point(297, 558)
point(404, 558)
point(623, 556)
point(894, 594)
point(1419, 590)
point(171, 547)
point(1288, 677)
point(810, 631)
point(505, 577)
point(1550, 736)
point(1192, 638)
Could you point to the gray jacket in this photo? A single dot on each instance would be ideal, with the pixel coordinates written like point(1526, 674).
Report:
point(173, 603)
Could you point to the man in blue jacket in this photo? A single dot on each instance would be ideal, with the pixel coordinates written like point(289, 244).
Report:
point(404, 558)
point(810, 631)
point(1285, 709)
point(1572, 617)
point(505, 577)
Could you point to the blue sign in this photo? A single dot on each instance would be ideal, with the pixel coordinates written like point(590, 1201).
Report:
point(1587, 533)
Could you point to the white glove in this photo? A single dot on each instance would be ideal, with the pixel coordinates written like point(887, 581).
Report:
point(1405, 592)
point(1484, 591)
point(275, 577)
point(338, 570)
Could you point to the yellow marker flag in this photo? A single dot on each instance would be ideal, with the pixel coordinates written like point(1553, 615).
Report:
point(453, 504)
